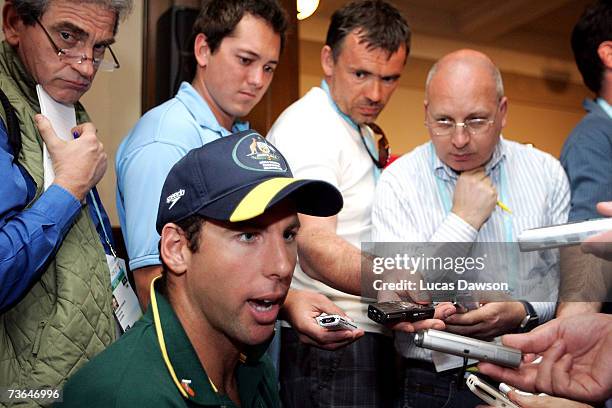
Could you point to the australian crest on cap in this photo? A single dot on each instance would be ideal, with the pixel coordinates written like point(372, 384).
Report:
point(252, 152)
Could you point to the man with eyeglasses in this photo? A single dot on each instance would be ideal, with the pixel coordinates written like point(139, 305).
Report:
point(55, 289)
point(448, 190)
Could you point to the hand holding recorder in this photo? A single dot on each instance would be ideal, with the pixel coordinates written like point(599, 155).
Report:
point(301, 308)
point(600, 245)
point(576, 359)
point(410, 317)
point(488, 321)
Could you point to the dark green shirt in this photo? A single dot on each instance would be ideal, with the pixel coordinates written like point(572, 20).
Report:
point(132, 372)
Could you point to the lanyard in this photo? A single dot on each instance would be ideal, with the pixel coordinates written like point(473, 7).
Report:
point(160, 339)
point(368, 143)
point(507, 220)
point(162, 343)
point(365, 136)
point(95, 204)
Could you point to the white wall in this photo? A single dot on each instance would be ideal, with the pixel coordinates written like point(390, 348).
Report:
point(114, 99)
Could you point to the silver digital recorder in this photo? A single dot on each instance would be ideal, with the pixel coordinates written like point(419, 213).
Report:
point(468, 347)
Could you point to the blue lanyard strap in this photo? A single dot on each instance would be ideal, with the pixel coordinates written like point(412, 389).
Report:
point(446, 200)
point(503, 190)
point(99, 214)
point(514, 261)
point(365, 136)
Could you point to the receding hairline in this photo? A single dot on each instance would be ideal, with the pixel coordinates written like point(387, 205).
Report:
point(470, 58)
point(362, 38)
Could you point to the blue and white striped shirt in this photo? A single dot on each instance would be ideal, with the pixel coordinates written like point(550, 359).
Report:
point(414, 197)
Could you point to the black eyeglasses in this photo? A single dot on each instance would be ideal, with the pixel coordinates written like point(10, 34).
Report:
point(75, 54)
point(382, 144)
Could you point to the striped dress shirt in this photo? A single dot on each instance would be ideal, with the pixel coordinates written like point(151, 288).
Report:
point(414, 197)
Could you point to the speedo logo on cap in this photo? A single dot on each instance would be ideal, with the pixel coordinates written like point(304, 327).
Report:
point(174, 197)
point(252, 152)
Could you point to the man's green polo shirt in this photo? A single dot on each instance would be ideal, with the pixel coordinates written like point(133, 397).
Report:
point(132, 372)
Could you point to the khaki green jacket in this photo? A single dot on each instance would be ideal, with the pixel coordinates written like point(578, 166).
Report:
point(66, 317)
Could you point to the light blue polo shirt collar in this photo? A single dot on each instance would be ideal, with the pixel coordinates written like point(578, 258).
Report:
point(605, 106)
point(443, 171)
point(343, 115)
point(201, 112)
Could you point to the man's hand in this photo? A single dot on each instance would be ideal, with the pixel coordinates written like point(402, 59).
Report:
point(302, 307)
point(544, 401)
point(78, 164)
point(488, 321)
point(418, 297)
point(475, 197)
point(576, 359)
point(600, 245)
point(443, 311)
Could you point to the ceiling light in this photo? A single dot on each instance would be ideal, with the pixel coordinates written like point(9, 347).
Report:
point(306, 8)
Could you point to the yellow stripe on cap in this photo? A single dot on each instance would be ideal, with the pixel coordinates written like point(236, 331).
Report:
point(255, 203)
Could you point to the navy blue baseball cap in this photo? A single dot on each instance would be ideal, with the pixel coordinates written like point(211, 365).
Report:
point(237, 178)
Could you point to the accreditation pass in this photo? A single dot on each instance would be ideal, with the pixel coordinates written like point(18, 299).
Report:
point(125, 303)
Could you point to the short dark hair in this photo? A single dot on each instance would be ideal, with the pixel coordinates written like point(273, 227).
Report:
point(593, 28)
point(379, 24)
point(192, 228)
point(219, 18)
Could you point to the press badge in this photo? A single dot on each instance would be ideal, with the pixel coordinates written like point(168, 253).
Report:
point(125, 303)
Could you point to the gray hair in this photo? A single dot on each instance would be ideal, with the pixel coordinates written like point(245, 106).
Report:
point(499, 84)
point(30, 10)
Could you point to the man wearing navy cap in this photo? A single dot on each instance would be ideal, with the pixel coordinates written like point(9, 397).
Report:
point(228, 251)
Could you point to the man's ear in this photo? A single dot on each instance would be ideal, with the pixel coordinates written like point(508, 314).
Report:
point(605, 53)
point(201, 50)
point(12, 24)
point(173, 249)
point(503, 110)
point(327, 60)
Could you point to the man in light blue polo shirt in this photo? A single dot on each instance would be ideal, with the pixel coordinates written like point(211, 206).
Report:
point(236, 49)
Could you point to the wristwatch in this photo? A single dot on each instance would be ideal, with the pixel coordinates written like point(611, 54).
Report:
point(531, 319)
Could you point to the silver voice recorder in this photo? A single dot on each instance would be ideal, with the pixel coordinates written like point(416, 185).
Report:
point(468, 347)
